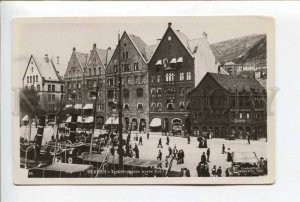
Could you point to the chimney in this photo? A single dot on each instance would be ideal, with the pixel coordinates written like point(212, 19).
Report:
point(57, 59)
point(204, 35)
point(169, 24)
point(74, 49)
point(94, 45)
point(158, 41)
point(46, 58)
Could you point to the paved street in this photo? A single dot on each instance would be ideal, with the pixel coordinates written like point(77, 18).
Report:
point(193, 154)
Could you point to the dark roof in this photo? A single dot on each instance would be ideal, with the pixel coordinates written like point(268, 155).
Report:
point(149, 51)
point(105, 55)
point(140, 44)
point(233, 82)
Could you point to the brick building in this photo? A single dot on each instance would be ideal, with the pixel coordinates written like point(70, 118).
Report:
point(229, 104)
point(81, 79)
point(176, 66)
point(42, 75)
point(131, 55)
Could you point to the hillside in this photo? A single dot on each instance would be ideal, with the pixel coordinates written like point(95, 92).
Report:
point(246, 49)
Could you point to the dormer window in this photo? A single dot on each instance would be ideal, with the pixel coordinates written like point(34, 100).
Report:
point(169, 38)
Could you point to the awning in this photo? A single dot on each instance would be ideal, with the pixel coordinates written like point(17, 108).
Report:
point(25, 118)
point(173, 60)
point(112, 121)
point(156, 122)
point(89, 119)
point(68, 106)
point(180, 59)
point(245, 157)
point(67, 167)
point(79, 119)
point(88, 106)
point(158, 62)
point(78, 106)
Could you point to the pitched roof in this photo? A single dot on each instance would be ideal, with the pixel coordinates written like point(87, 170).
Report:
point(149, 51)
point(82, 58)
point(105, 55)
point(47, 69)
point(233, 82)
point(140, 45)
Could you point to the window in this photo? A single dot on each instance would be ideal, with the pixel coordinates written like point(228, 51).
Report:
point(128, 80)
point(159, 91)
point(142, 79)
point(99, 70)
point(170, 106)
point(140, 106)
point(95, 72)
point(110, 94)
point(53, 97)
point(61, 88)
point(27, 79)
point(111, 82)
point(181, 76)
point(248, 116)
point(152, 79)
point(181, 106)
point(136, 80)
point(188, 106)
point(153, 106)
point(125, 93)
point(158, 78)
point(136, 66)
point(182, 91)
point(126, 68)
point(159, 106)
point(30, 79)
point(153, 91)
point(38, 88)
point(90, 72)
point(49, 88)
point(188, 76)
point(53, 88)
point(188, 91)
point(170, 77)
point(126, 106)
point(33, 79)
point(139, 92)
point(49, 97)
point(36, 78)
point(241, 115)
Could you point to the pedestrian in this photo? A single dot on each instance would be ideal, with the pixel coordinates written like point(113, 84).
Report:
point(223, 149)
point(136, 150)
point(214, 171)
point(219, 172)
point(168, 141)
point(175, 152)
point(179, 157)
point(182, 156)
point(159, 143)
point(167, 161)
point(188, 139)
point(208, 154)
point(206, 171)
point(188, 173)
point(159, 156)
point(229, 155)
point(248, 135)
point(170, 151)
point(148, 135)
point(203, 158)
point(198, 168)
point(141, 141)
point(227, 172)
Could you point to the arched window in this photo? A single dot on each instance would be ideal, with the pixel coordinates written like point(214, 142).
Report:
point(139, 92)
point(153, 91)
point(181, 106)
point(170, 106)
point(126, 106)
point(125, 93)
point(159, 106)
point(140, 106)
point(153, 106)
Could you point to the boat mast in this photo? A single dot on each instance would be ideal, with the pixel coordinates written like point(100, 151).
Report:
point(57, 124)
point(120, 148)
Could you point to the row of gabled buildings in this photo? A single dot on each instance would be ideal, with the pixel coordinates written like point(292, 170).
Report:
point(158, 82)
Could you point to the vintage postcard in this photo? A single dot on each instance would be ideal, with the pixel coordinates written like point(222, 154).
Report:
point(143, 100)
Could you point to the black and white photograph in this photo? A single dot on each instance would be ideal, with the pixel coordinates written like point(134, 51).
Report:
point(143, 100)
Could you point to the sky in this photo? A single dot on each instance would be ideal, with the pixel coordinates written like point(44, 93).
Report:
point(57, 36)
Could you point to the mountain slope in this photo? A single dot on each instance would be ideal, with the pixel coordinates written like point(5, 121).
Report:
point(246, 49)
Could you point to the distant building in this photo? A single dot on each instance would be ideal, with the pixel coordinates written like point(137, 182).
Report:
point(229, 104)
point(131, 56)
point(42, 75)
point(176, 66)
point(236, 69)
point(81, 79)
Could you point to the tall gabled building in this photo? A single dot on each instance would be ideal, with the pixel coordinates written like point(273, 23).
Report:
point(42, 75)
point(81, 79)
point(131, 56)
point(174, 69)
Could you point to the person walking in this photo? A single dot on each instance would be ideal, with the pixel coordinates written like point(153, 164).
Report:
point(175, 152)
point(203, 158)
point(198, 168)
point(208, 154)
point(219, 172)
point(136, 150)
point(168, 141)
point(159, 156)
point(188, 139)
point(248, 136)
point(214, 171)
point(182, 156)
point(223, 149)
point(170, 151)
point(148, 135)
point(141, 141)
point(159, 143)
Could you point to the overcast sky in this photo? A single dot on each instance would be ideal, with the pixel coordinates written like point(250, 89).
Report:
point(57, 36)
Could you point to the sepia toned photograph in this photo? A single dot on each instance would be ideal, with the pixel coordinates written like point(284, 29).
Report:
point(143, 100)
